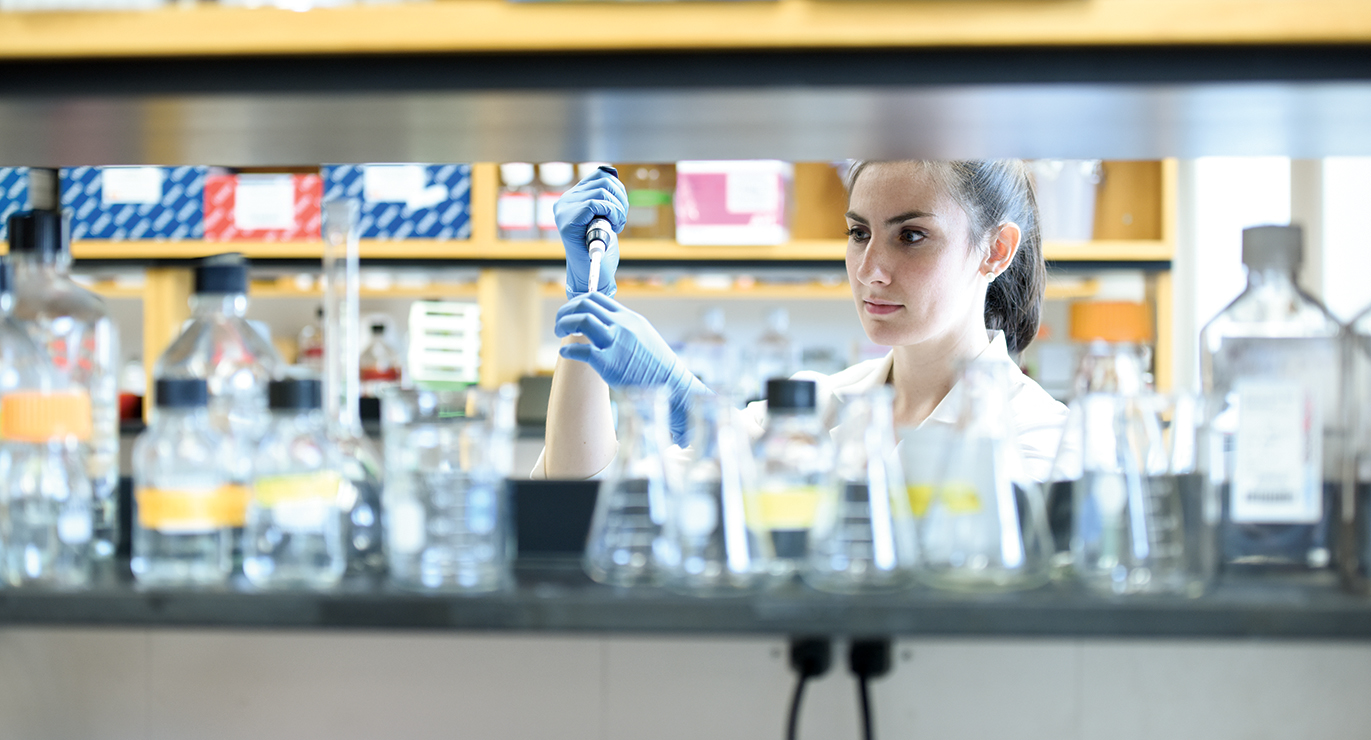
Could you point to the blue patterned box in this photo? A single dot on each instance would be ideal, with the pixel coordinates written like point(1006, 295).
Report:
point(25, 189)
point(135, 203)
point(405, 201)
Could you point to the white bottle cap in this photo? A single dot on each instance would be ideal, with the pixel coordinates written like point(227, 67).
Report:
point(516, 174)
point(556, 174)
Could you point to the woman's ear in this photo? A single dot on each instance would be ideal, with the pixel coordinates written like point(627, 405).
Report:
point(1004, 244)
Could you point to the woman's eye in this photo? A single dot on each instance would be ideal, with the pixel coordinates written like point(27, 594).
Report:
point(912, 236)
point(856, 233)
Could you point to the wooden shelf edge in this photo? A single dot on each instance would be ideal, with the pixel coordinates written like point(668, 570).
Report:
point(482, 26)
point(800, 250)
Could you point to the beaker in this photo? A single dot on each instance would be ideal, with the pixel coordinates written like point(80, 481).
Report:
point(984, 526)
point(447, 457)
point(863, 536)
point(625, 546)
point(718, 553)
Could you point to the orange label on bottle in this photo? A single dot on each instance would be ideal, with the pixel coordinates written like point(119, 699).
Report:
point(181, 510)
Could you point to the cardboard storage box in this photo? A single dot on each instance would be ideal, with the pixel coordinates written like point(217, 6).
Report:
point(405, 201)
point(266, 208)
point(135, 203)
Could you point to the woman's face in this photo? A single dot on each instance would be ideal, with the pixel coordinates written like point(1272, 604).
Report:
point(915, 275)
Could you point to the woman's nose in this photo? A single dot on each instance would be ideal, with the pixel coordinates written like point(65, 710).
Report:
point(871, 269)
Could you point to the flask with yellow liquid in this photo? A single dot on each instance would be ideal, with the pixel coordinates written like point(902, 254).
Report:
point(294, 532)
point(983, 526)
point(794, 457)
point(186, 511)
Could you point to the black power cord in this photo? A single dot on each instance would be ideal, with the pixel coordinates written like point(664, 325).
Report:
point(867, 659)
point(810, 657)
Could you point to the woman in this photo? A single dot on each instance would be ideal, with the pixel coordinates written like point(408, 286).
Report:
point(945, 262)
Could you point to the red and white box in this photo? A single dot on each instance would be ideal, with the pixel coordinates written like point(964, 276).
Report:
point(263, 208)
point(733, 202)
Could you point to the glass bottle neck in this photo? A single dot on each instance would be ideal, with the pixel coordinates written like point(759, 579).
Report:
point(180, 416)
point(227, 304)
point(58, 263)
point(1271, 277)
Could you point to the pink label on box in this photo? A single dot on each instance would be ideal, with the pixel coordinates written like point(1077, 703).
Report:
point(298, 219)
point(720, 199)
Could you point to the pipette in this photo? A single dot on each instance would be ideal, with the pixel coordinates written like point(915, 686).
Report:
point(599, 237)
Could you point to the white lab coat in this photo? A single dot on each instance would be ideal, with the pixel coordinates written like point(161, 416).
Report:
point(1038, 417)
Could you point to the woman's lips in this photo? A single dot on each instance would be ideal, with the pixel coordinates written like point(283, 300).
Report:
point(881, 308)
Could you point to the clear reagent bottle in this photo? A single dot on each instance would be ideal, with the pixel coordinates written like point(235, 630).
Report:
point(794, 456)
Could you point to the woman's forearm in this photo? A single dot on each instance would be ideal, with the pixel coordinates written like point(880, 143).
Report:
point(580, 426)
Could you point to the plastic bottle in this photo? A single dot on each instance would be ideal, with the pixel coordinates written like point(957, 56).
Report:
point(553, 180)
point(187, 511)
point(1272, 378)
point(380, 364)
point(515, 206)
point(794, 458)
point(73, 326)
point(309, 346)
point(294, 532)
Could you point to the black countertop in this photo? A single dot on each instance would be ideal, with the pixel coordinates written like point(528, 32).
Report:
point(554, 596)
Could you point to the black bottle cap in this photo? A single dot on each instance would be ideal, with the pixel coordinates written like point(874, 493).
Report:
point(181, 393)
point(791, 394)
point(378, 328)
point(295, 393)
point(36, 232)
point(225, 273)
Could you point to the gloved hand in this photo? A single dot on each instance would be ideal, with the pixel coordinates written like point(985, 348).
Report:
point(626, 350)
point(599, 194)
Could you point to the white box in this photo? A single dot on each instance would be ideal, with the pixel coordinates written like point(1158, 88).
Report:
point(733, 202)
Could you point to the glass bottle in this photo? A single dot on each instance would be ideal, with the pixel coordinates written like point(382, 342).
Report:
point(651, 188)
point(774, 352)
point(294, 532)
point(47, 527)
point(719, 551)
point(553, 180)
point(1127, 523)
point(515, 205)
point(23, 364)
point(707, 353)
point(219, 346)
point(309, 346)
point(1272, 377)
point(626, 546)
point(73, 326)
point(984, 527)
point(863, 536)
point(379, 364)
point(186, 510)
point(794, 458)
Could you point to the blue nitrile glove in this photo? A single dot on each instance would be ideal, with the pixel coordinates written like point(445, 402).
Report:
point(599, 194)
point(626, 351)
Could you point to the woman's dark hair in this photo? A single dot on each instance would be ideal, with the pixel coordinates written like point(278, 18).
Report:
point(994, 192)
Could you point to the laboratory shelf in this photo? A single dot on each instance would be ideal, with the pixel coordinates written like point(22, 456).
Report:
point(554, 596)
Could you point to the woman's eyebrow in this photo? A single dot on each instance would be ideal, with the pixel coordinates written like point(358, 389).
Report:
point(854, 217)
point(907, 216)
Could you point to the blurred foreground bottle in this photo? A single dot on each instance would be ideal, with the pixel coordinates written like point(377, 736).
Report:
point(187, 513)
point(863, 537)
point(294, 533)
point(1272, 377)
point(984, 526)
point(718, 552)
point(73, 326)
point(309, 345)
point(794, 457)
point(219, 346)
point(626, 546)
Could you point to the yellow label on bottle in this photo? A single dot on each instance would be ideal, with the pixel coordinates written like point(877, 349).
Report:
point(181, 510)
point(956, 497)
point(789, 508)
point(321, 485)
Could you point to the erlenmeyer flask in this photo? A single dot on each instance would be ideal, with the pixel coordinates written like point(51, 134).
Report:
point(625, 546)
point(863, 536)
point(1126, 533)
point(718, 552)
point(985, 525)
